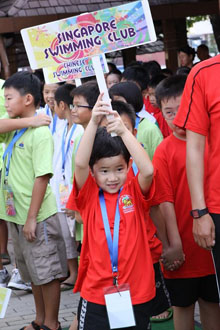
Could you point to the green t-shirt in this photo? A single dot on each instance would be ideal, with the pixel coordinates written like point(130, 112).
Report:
point(149, 135)
point(2, 113)
point(31, 157)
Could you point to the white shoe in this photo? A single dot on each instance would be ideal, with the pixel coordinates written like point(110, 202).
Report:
point(17, 283)
point(4, 278)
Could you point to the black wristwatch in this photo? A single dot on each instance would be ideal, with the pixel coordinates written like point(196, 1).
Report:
point(196, 214)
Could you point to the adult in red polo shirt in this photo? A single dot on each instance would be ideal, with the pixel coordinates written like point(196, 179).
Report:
point(199, 113)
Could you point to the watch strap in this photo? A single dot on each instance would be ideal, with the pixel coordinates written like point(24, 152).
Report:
point(196, 214)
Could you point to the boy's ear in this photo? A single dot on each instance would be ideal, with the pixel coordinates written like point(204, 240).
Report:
point(129, 164)
point(63, 105)
point(135, 132)
point(29, 99)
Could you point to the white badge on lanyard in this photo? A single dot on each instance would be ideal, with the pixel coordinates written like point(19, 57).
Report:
point(63, 186)
point(9, 199)
point(8, 193)
point(119, 306)
point(63, 192)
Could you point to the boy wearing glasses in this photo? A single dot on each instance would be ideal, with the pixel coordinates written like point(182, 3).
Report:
point(194, 280)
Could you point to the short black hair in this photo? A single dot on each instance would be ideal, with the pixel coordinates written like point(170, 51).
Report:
point(188, 50)
point(116, 71)
point(170, 87)
point(107, 146)
point(111, 66)
point(183, 70)
point(125, 109)
point(130, 91)
point(138, 74)
point(156, 80)
point(25, 83)
point(64, 93)
point(89, 90)
point(204, 47)
point(152, 67)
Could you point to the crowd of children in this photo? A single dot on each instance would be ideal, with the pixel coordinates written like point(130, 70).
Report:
point(110, 186)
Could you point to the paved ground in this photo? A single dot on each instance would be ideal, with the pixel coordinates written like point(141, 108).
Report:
point(21, 312)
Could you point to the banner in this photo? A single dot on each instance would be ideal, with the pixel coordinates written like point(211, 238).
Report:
point(89, 34)
point(77, 69)
point(4, 300)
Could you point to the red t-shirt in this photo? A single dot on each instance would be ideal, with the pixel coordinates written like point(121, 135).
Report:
point(154, 242)
point(134, 259)
point(156, 112)
point(200, 112)
point(169, 160)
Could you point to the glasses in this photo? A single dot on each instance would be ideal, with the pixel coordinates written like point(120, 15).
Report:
point(169, 115)
point(77, 106)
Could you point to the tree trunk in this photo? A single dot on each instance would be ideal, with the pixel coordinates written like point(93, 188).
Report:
point(215, 21)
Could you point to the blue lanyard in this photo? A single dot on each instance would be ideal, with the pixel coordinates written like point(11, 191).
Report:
point(9, 149)
point(64, 154)
point(112, 244)
point(49, 113)
point(48, 110)
point(137, 121)
point(134, 168)
point(54, 123)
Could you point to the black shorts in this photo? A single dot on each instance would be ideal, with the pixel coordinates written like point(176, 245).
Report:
point(161, 302)
point(185, 292)
point(93, 316)
point(216, 248)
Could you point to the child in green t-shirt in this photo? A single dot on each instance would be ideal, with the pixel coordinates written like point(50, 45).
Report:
point(27, 202)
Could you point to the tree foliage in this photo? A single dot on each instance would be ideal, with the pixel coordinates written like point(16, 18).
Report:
point(191, 20)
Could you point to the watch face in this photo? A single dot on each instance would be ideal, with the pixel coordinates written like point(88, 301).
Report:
point(195, 214)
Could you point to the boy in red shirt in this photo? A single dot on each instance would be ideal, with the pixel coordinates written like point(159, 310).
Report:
point(152, 107)
point(195, 279)
point(101, 167)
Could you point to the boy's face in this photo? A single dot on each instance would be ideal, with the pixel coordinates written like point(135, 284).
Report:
point(185, 59)
point(48, 94)
point(81, 112)
point(14, 102)
point(110, 173)
point(169, 109)
point(152, 98)
point(112, 79)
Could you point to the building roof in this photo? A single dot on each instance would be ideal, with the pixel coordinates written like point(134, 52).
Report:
point(50, 7)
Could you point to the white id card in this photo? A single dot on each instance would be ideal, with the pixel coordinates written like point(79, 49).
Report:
point(119, 308)
point(64, 192)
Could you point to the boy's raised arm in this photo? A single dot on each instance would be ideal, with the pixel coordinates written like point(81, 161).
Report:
point(84, 151)
point(11, 124)
point(137, 152)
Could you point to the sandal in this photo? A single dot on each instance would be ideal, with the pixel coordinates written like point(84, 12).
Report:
point(168, 317)
point(6, 260)
point(34, 325)
point(66, 286)
point(44, 327)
